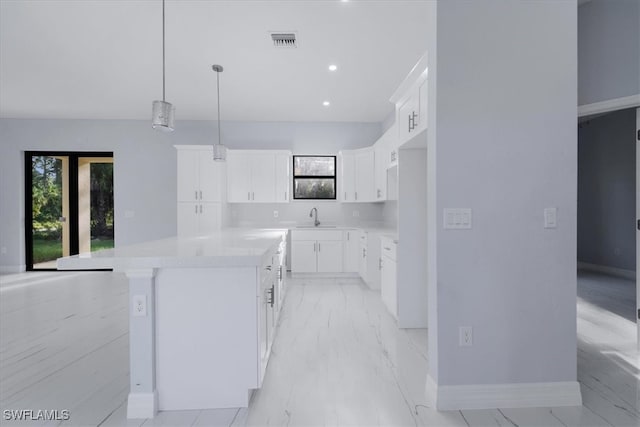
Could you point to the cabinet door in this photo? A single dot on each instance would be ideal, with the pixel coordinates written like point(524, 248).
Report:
point(187, 170)
point(210, 176)
point(263, 334)
point(238, 177)
point(422, 96)
point(348, 178)
point(362, 261)
point(303, 256)
point(283, 173)
point(263, 177)
point(381, 159)
point(329, 256)
point(209, 218)
point(365, 179)
point(187, 219)
point(408, 117)
point(388, 291)
point(351, 251)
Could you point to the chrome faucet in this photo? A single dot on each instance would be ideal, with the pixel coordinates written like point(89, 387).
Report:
point(315, 221)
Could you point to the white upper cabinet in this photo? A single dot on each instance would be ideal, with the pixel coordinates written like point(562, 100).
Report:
point(365, 175)
point(357, 175)
point(263, 176)
point(258, 176)
point(200, 190)
point(283, 177)
point(198, 175)
point(383, 161)
point(347, 181)
point(411, 102)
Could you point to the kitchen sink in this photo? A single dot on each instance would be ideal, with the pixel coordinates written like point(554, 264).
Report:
point(313, 226)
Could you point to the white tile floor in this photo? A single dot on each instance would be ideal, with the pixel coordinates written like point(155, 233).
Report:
point(338, 359)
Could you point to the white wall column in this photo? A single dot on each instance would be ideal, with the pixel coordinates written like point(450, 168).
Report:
point(143, 397)
point(502, 141)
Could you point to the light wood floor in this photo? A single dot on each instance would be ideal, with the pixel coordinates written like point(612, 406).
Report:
point(338, 359)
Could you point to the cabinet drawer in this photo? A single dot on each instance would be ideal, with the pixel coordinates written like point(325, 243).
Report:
point(388, 247)
point(316, 234)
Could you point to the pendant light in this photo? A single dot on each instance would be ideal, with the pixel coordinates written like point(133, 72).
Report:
point(163, 111)
point(219, 150)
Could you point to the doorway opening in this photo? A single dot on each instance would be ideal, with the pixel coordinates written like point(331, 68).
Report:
point(68, 205)
point(607, 254)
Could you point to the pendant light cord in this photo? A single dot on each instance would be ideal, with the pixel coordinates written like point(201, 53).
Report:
point(163, 97)
point(218, 85)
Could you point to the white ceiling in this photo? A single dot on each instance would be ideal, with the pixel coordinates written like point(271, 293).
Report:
point(103, 59)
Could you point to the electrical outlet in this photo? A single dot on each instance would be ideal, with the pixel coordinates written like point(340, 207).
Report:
point(275, 214)
point(356, 213)
point(466, 336)
point(550, 217)
point(3, 250)
point(139, 305)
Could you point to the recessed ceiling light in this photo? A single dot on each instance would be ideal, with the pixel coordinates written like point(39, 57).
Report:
point(326, 103)
point(333, 67)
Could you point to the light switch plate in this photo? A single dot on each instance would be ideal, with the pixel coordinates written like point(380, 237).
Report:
point(550, 217)
point(457, 218)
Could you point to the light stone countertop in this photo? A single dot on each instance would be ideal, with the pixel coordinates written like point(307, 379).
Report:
point(227, 248)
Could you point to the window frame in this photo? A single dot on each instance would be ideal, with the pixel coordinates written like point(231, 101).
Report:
point(333, 177)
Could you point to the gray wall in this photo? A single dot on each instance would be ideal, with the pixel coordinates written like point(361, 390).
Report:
point(608, 50)
point(145, 165)
point(606, 190)
point(503, 142)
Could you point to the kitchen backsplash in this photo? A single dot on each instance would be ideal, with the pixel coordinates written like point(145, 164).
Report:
point(297, 213)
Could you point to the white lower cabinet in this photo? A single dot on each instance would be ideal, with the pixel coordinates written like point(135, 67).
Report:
point(316, 251)
point(270, 296)
point(388, 278)
point(362, 256)
point(351, 243)
point(303, 256)
point(329, 256)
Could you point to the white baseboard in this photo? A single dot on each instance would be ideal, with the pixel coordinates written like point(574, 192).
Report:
point(12, 269)
point(489, 396)
point(609, 105)
point(142, 405)
point(620, 272)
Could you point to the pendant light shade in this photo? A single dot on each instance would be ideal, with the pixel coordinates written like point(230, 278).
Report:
point(219, 150)
point(162, 111)
point(162, 116)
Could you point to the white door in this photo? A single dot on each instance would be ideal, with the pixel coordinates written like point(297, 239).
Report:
point(209, 218)
point(187, 219)
point(329, 256)
point(303, 256)
point(283, 166)
point(238, 177)
point(188, 176)
point(210, 176)
point(365, 176)
point(638, 224)
point(263, 177)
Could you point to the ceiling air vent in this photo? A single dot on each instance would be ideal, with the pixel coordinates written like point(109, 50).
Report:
point(282, 39)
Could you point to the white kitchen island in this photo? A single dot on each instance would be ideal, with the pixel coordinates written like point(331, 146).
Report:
point(202, 316)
